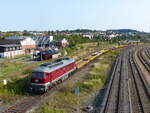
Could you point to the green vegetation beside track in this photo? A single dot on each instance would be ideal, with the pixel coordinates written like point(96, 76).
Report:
point(16, 73)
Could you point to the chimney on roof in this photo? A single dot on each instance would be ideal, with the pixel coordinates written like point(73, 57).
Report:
point(51, 38)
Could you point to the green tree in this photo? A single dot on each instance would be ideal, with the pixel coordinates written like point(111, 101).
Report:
point(26, 33)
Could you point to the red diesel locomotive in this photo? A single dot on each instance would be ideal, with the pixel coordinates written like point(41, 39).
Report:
point(48, 74)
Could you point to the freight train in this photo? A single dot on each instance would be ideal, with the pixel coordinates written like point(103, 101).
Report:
point(49, 74)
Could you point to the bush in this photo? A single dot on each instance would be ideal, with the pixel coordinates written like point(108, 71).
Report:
point(48, 109)
point(69, 50)
point(28, 71)
point(18, 86)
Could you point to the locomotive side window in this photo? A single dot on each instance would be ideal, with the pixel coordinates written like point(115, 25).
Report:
point(40, 75)
point(33, 75)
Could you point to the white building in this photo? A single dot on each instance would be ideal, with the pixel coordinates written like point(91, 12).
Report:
point(61, 43)
point(27, 43)
point(10, 51)
point(88, 36)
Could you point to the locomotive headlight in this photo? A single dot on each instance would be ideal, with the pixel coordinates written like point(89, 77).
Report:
point(36, 80)
point(42, 88)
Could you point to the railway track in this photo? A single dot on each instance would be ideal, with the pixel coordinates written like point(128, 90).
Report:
point(147, 52)
point(136, 95)
point(23, 105)
point(111, 98)
point(135, 103)
point(116, 98)
point(124, 99)
point(144, 60)
point(142, 86)
point(27, 103)
point(128, 91)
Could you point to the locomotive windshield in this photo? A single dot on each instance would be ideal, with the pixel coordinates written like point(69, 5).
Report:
point(37, 75)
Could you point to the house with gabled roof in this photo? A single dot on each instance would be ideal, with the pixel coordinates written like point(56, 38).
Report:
point(27, 43)
point(10, 48)
point(42, 41)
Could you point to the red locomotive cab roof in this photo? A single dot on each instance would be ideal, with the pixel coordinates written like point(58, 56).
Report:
point(50, 67)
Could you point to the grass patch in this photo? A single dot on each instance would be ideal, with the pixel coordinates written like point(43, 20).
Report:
point(16, 74)
point(97, 75)
point(22, 56)
point(58, 104)
point(82, 50)
point(51, 109)
point(15, 89)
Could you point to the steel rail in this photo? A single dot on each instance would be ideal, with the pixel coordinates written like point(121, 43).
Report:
point(141, 85)
point(137, 97)
point(111, 98)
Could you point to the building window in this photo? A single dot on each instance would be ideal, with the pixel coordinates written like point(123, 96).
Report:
point(13, 48)
point(17, 48)
point(10, 49)
point(6, 49)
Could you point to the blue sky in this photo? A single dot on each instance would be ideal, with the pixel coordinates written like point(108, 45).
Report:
point(73, 14)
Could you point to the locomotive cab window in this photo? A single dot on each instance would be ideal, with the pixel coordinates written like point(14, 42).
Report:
point(37, 75)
